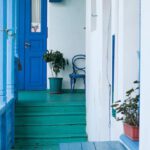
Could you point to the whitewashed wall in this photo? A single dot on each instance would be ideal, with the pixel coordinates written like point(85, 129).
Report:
point(127, 56)
point(98, 46)
point(145, 76)
point(66, 22)
point(117, 29)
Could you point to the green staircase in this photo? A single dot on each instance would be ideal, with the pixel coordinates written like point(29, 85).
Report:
point(43, 126)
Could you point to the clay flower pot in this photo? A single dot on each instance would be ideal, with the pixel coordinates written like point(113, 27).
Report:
point(131, 131)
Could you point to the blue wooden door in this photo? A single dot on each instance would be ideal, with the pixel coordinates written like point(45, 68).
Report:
point(33, 44)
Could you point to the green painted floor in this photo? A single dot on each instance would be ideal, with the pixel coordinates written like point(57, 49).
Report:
point(43, 120)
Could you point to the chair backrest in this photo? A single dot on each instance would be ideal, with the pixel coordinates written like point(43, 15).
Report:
point(78, 63)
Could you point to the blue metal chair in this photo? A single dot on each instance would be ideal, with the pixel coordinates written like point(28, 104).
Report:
point(78, 70)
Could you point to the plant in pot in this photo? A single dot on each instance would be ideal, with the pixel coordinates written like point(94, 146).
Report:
point(128, 112)
point(57, 62)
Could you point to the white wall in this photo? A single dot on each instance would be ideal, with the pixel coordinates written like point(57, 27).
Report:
point(127, 58)
point(131, 43)
point(98, 46)
point(145, 77)
point(66, 22)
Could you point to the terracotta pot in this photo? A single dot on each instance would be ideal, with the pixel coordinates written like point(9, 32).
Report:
point(131, 131)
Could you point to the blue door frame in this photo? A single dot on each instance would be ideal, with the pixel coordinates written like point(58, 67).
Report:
point(34, 72)
point(113, 71)
point(7, 46)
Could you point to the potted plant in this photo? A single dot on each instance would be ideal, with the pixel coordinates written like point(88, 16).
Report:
point(128, 112)
point(57, 62)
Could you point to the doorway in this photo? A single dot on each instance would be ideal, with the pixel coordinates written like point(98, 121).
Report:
point(32, 38)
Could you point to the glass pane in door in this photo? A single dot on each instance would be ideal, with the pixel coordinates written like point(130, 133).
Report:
point(36, 16)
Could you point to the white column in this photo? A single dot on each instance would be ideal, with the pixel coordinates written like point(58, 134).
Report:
point(145, 76)
point(10, 48)
point(97, 45)
point(94, 48)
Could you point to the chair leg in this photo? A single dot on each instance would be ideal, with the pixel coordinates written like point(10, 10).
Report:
point(74, 82)
point(84, 80)
point(71, 84)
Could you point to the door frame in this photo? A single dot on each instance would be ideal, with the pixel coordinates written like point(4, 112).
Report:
point(21, 42)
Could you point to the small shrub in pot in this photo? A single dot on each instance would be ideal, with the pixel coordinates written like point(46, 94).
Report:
point(57, 63)
point(128, 112)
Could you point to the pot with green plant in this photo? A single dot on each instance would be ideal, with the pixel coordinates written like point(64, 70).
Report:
point(57, 63)
point(128, 112)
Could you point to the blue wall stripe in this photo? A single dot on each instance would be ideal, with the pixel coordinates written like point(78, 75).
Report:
point(113, 72)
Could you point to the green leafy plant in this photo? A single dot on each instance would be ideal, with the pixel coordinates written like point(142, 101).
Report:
point(128, 109)
point(56, 60)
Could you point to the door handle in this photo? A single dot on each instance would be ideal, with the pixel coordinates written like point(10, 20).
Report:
point(27, 45)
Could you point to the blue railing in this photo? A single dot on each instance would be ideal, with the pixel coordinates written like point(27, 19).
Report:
point(8, 23)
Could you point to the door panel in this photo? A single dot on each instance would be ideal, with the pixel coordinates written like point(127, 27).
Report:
point(35, 66)
point(35, 43)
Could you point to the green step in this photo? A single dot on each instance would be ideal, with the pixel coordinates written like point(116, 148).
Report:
point(51, 120)
point(50, 131)
point(47, 142)
point(51, 110)
point(48, 114)
point(52, 137)
point(44, 120)
point(51, 103)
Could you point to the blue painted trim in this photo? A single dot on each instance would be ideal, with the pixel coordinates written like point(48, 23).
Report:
point(16, 51)
point(24, 34)
point(10, 75)
point(10, 48)
point(10, 102)
point(3, 60)
point(0, 132)
point(113, 71)
point(7, 18)
point(3, 53)
point(133, 145)
point(20, 39)
point(7, 125)
point(2, 110)
point(3, 132)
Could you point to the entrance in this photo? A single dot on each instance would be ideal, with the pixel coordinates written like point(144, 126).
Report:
point(32, 44)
